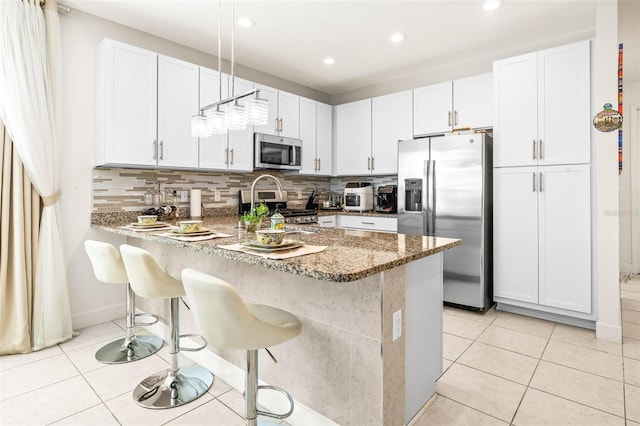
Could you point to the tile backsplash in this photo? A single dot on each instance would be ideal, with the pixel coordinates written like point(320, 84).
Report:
point(116, 189)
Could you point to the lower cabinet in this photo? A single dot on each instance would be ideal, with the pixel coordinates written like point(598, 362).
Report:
point(381, 224)
point(327, 221)
point(542, 238)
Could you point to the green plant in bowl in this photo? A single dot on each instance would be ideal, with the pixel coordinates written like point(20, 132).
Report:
point(253, 219)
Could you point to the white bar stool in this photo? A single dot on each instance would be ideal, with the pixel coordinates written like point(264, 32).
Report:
point(174, 386)
point(228, 323)
point(108, 268)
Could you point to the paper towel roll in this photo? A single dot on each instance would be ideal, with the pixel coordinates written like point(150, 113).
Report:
point(195, 205)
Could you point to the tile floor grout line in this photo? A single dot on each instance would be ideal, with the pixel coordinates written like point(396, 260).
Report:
point(579, 403)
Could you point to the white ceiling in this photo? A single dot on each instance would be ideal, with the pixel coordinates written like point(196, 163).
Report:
point(291, 38)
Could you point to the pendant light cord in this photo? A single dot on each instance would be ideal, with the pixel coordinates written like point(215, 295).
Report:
point(233, 58)
point(219, 52)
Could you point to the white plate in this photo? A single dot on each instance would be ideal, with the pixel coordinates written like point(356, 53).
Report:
point(286, 245)
point(148, 225)
point(200, 233)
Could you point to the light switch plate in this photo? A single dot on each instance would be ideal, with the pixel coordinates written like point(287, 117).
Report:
point(397, 325)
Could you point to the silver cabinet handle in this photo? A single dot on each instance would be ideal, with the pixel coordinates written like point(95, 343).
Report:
point(226, 156)
point(368, 163)
point(541, 155)
point(455, 118)
point(155, 149)
point(281, 124)
point(277, 125)
point(449, 119)
point(541, 182)
point(534, 181)
point(232, 156)
point(318, 164)
point(534, 149)
point(162, 150)
point(373, 163)
point(367, 223)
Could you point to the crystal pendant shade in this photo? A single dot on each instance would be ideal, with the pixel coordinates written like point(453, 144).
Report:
point(198, 126)
point(258, 111)
point(236, 117)
point(216, 122)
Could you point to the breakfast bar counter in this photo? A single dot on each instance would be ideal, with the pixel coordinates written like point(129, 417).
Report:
point(370, 305)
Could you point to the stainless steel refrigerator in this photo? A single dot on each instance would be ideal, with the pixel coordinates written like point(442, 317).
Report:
point(445, 190)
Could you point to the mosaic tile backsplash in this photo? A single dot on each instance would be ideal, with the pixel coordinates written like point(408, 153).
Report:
point(116, 190)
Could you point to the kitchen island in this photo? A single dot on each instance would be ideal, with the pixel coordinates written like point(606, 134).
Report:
point(370, 303)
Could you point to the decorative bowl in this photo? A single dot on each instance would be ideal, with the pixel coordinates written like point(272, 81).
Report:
point(270, 237)
point(187, 226)
point(147, 219)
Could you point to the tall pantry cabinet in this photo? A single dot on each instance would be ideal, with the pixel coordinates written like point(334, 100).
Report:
point(542, 190)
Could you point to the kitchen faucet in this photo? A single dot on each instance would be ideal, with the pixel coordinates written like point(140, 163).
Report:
point(275, 179)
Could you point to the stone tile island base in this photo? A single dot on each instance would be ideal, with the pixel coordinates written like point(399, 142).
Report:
point(346, 364)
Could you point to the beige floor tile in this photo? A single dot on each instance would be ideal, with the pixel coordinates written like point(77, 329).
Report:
point(104, 332)
point(634, 305)
point(204, 414)
point(524, 324)
point(632, 372)
point(484, 317)
point(29, 377)
point(632, 396)
point(542, 409)
point(492, 395)
point(129, 413)
point(453, 346)
point(462, 327)
point(631, 330)
point(48, 404)
point(630, 295)
point(234, 400)
point(631, 348)
point(630, 286)
point(12, 361)
point(98, 415)
point(631, 316)
point(446, 364)
point(585, 388)
point(445, 412)
point(630, 423)
point(584, 337)
point(218, 387)
point(585, 359)
point(499, 362)
point(512, 340)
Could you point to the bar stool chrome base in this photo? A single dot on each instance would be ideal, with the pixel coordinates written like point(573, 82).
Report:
point(128, 350)
point(169, 389)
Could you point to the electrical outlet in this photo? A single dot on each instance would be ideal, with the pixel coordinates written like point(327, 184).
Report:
point(184, 196)
point(397, 325)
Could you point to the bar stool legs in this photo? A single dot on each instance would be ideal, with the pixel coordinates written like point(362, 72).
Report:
point(174, 386)
point(131, 347)
point(251, 393)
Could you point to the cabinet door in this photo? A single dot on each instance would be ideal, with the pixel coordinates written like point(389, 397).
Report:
point(564, 103)
point(271, 95)
point(129, 96)
point(391, 122)
point(308, 135)
point(212, 150)
point(177, 103)
point(515, 111)
point(241, 141)
point(473, 101)
point(289, 113)
point(515, 234)
point(324, 139)
point(565, 237)
point(432, 109)
point(353, 138)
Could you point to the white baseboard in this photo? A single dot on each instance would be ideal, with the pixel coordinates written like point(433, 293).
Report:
point(98, 316)
point(234, 377)
point(612, 333)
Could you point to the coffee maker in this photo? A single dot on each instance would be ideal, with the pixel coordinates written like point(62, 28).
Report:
point(387, 199)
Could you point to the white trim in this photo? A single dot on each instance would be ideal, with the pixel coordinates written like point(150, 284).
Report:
point(610, 332)
point(98, 316)
point(634, 166)
point(234, 377)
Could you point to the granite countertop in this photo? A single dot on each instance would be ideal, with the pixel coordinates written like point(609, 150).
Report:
point(350, 254)
point(341, 212)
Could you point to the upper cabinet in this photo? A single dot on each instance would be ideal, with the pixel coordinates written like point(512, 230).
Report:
point(391, 122)
point(144, 104)
point(316, 123)
point(462, 103)
point(353, 138)
point(542, 107)
point(284, 113)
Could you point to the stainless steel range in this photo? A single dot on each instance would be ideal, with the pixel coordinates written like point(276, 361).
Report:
point(272, 200)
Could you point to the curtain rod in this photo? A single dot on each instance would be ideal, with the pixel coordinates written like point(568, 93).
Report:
point(62, 8)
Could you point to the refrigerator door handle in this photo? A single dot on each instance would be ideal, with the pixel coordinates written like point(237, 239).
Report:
point(429, 197)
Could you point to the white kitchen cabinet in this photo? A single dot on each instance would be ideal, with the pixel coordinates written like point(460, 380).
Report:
point(233, 150)
point(353, 138)
point(284, 112)
point(440, 108)
point(327, 221)
point(370, 223)
point(542, 237)
point(391, 121)
point(542, 107)
point(144, 104)
point(316, 121)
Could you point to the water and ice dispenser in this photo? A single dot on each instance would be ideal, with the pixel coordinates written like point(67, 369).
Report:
point(413, 195)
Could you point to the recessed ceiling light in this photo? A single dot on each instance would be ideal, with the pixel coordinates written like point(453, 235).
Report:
point(329, 61)
point(492, 4)
point(246, 22)
point(397, 37)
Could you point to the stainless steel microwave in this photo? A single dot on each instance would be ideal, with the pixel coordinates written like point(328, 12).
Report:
point(277, 152)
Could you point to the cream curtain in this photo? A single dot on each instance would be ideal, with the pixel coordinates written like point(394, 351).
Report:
point(19, 222)
point(30, 61)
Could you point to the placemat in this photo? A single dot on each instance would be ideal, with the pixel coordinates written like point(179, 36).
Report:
point(196, 238)
point(277, 255)
point(139, 229)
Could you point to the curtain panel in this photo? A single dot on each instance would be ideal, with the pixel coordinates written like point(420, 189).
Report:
point(30, 96)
